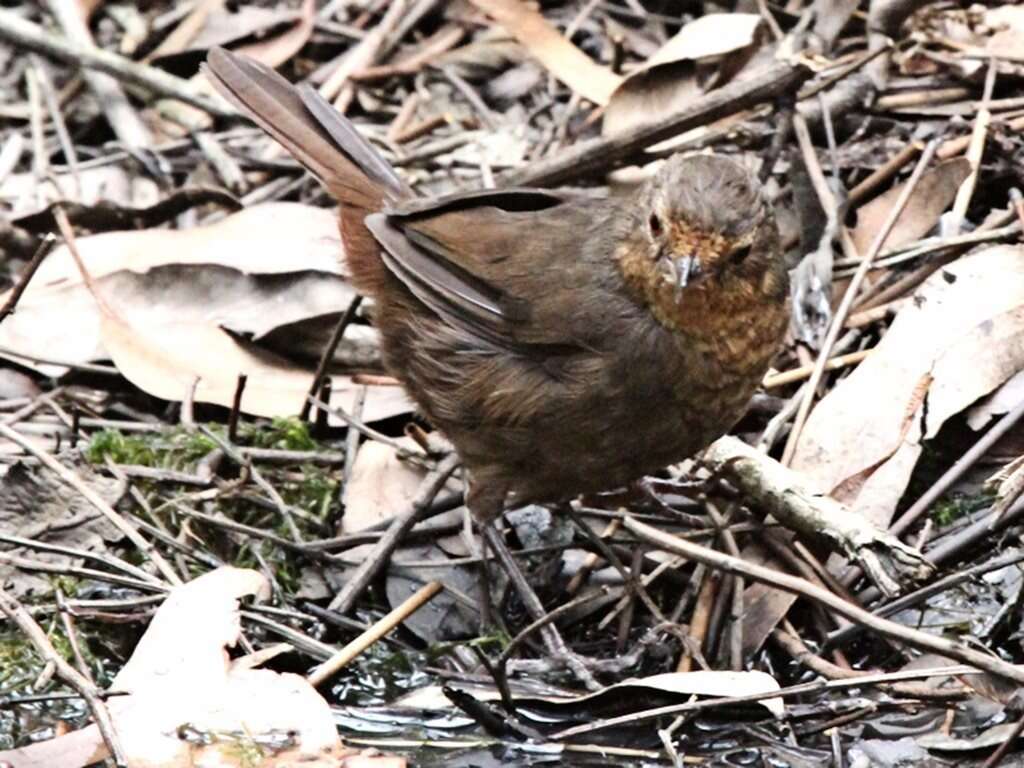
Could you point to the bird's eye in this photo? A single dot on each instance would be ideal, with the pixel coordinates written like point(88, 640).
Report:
point(739, 254)
point(655, 224)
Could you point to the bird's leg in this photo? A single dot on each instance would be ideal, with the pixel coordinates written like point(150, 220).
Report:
point(486, 507)
point(553, 641)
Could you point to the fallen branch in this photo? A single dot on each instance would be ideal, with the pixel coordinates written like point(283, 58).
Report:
point(599, 155)
point(781, 492)
point(25, 34)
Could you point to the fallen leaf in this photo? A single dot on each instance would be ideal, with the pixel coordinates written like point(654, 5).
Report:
point(277, 49)
point(268, 238)
point(959, 339)
point(931, 197)
point(166, 360)
point(381, 485)
point(182, 296)
point(227, 273)
point(180, 679)
point(546, 44)
point(669, 79)
point(279, 32)
point(1008, 37)
point(700, 683)
point(1003, 400)
point(25, 195)
point(33, 505)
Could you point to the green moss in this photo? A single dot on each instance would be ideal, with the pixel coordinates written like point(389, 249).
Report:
point(315, 493)
point(283, 434)
point(121, 448)
point(954, 506)
point(19, 662)
point(192, 446)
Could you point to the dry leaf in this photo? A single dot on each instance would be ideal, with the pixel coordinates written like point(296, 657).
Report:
point(270, 238)
point(559, 56)
point(700, 683)
point(180, 676)
point(381, 485)
point(25, 195)
point(166, 360)
point(668, 80)
point(931, 197)
point(279, 32)
point(999, 402)
point(182, 296)
point(961, 338)
point(1008, 23)
point(251, 242)
point(275, 51)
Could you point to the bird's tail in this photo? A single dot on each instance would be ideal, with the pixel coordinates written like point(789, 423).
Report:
point(320, 138)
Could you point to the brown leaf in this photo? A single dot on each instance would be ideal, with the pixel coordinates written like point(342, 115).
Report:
point(1008, 37)
point(165, 360)
point(962, 335)
point(275, 51)
point(382, 485)
point(932, 196)
point(717, 43)
point(189, 635)
point(205, 274)
point(559, 56)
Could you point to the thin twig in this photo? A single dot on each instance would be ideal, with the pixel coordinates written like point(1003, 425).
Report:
point(16, 613)
point(839, 319)
point(803, 588)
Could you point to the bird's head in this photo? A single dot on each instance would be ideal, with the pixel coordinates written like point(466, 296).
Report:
point(702, 226)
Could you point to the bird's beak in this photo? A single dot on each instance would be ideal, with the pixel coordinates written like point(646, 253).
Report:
point(684, 268)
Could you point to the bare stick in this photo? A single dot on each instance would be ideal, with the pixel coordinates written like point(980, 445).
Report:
point(26, 276)
point(839, 320)
point(598, 155)
point(343, 657)
point(16, 613)
point(25, 34)
point(328, 354)
point(803, 588)
point(381, 553)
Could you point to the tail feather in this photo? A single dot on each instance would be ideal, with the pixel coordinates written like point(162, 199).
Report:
point(326, 143)
point(355, 146)
point(309, 128)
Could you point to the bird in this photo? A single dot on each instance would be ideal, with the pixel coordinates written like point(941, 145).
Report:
point(564, 342)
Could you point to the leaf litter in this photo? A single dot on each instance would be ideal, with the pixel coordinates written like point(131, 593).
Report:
point(187, 298)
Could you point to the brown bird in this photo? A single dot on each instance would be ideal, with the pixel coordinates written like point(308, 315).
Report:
point(564, 342)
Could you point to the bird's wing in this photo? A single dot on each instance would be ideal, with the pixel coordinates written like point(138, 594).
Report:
point(516, 267)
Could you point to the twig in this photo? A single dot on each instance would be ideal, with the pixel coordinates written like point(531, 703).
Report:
point(785, 495)
point(801, 689)
point(975, 150)
point(72, 479)
point(803, 588)
point(922, 594)
point(25, 34)
point(381, 553)
point(951, 475)
point(996, 757)
point(26, 275)
point(328, 353)
point(122, 118)
point(588, 158)
point(16, 613)
point(799, 374)
point(839, 319)
point(344, 657)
